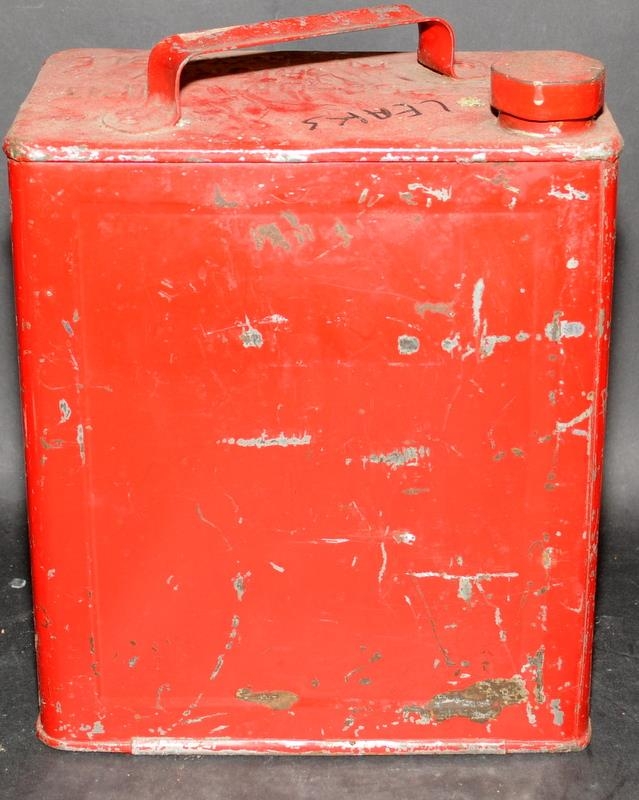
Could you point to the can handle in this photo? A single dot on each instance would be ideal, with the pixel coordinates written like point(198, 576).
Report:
point(167, 59)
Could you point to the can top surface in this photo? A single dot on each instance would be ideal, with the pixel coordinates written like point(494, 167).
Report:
point(290, 106)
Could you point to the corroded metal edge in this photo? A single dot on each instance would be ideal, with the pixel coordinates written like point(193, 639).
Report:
point(313, 747)
point(608, 150)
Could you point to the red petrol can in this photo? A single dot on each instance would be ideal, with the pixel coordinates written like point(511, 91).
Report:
point(313, 353)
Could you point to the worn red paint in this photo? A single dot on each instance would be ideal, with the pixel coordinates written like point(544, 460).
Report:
point(314, 386)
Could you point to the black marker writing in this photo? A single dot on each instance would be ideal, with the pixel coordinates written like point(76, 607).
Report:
point(365, 115)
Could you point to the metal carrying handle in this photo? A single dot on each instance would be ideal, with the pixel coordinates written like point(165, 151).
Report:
point(167, 59)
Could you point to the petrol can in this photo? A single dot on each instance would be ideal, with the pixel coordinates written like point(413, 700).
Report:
point(313, 352)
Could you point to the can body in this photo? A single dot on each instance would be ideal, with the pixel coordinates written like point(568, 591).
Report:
point(314, 449)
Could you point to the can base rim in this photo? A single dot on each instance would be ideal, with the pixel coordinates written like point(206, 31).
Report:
point(228, 746)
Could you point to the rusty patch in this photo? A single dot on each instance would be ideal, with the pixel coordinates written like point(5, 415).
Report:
point(537, 663)
point(344, 236)
point(278, 700)
point(480, 702)
point(445, 309)
point(302, 232)
point(269, 233)
point(221, 202)
point(16, 151)
point(52, 444)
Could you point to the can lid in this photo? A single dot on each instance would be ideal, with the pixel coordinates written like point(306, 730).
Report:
point(547, 86)
point(293, 107)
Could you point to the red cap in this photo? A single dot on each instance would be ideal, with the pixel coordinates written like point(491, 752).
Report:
point(548, 86)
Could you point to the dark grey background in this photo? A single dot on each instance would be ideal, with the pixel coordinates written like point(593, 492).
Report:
point(32, 29)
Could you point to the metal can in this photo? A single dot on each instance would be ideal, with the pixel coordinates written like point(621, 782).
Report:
point(313, 352)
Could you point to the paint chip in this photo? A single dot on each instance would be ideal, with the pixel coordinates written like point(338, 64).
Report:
point(251, 337)
point(568, 193)
point(465, 590)
point(470, 102)
point(239, 584)
point(65, 411)
point(557, 713)
point(407, 457)
point(407, 345)
point(560, 329)
point(443, 194)
point(489, 343)
point(404, 537)
point(445, 309)
point(451, 343)
point(79, 437)
point(382, 569)
point(266, 441)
